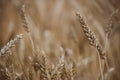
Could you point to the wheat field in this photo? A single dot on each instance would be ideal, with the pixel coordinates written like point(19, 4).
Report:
point(59, 40)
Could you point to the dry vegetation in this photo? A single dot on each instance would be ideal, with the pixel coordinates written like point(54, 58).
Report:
point(59, 40)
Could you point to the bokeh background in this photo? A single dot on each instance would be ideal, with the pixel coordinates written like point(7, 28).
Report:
point(55, 29)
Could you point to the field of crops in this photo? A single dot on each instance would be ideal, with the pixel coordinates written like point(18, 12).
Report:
point(59, 40)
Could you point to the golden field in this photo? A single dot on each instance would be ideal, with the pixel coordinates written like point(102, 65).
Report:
point(59, 40)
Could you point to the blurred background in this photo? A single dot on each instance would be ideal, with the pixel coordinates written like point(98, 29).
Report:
point(55, 29)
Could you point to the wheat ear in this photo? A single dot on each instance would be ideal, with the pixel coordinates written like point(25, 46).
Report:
point(26, 26)
point(4, 74)
point(109, 27)
point(91, 37)
point(43, 68)
point(93, 41)
point(57, 68)
point(24, 20)
point(7, 48)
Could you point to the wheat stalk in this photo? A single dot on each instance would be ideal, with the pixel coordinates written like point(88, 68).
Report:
point(91, 37)
point(36, 62)
point(109, 27)
point(30, 73)
point(4, 74)
point(25, 25)
point(93, 41)
point(7, 48)
point(43, 69)
point(24, 18)
point(56, 70)
point(72, 72)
